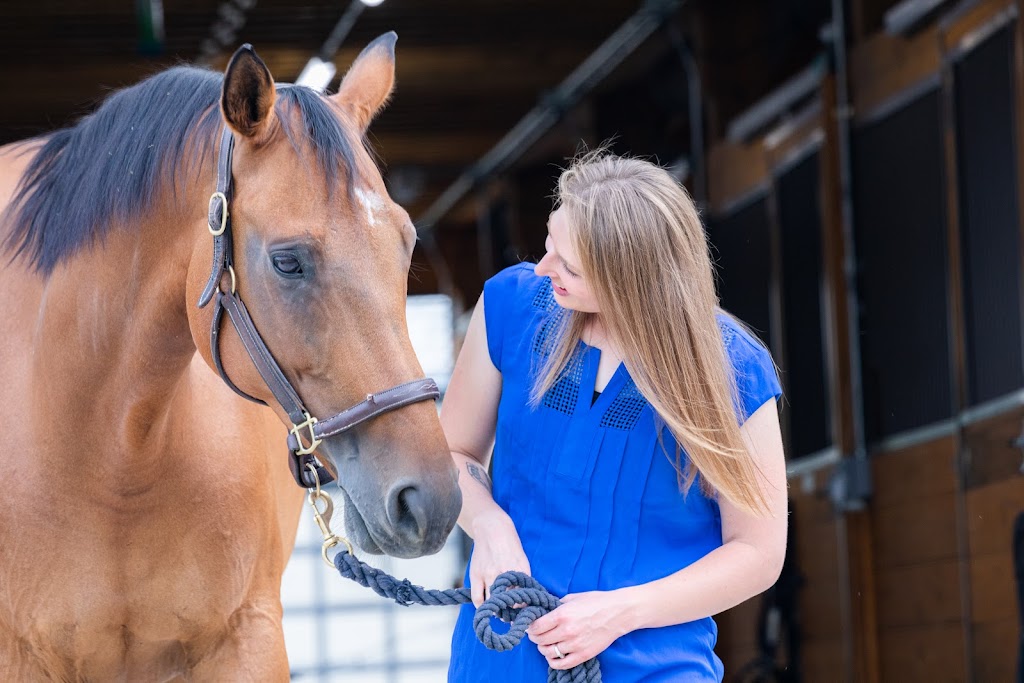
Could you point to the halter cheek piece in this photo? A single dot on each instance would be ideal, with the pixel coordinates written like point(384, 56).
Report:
point(307, 431)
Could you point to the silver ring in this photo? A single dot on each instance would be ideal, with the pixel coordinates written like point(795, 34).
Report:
point(558, 653)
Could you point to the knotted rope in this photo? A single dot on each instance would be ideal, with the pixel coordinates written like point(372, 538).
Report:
point(509, 589)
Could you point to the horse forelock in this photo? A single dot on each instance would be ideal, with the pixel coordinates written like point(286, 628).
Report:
point(322, 128)
point(115, 164)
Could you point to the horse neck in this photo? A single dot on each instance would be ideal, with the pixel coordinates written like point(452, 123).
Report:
point(113, 340)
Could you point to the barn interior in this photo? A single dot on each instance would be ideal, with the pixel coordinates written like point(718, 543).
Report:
point(857, 166)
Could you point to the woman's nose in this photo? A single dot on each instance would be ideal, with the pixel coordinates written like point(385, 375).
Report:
point(543, 269)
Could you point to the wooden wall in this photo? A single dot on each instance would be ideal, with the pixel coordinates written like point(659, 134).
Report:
point(740, 170)
point(917, 565)
point(919, 584)
point(993, 498)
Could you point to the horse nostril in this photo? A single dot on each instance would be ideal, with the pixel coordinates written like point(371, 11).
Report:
point(406, 512)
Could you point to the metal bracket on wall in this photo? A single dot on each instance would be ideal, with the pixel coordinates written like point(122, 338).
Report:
point(849, 487)
point(1018, 443)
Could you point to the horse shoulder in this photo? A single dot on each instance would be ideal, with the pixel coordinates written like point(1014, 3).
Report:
point(257, 437)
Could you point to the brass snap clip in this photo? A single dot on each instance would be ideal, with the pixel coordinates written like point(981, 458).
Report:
point(322, 517)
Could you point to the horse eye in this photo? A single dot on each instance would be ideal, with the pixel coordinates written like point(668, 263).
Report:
point(287, 265)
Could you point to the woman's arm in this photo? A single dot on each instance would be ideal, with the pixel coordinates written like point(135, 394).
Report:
point(468, 416)
point(747, 563)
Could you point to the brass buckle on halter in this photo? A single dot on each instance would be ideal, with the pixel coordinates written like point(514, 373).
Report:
point(303, 449)
point(223, 216)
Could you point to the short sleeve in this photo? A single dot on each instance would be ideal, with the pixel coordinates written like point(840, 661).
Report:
point(756, 379)
point(500, 298)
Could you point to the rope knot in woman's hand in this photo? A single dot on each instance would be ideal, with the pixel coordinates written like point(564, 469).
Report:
point(517, 599)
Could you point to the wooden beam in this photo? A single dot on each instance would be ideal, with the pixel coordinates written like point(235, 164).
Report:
point(465, 69)
point(885, 65)
point(970, 18)
point(735, 170)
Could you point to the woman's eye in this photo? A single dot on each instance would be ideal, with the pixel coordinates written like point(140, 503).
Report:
point(287, 265)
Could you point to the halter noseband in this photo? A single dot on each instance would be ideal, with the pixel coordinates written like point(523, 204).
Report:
point(306, 429)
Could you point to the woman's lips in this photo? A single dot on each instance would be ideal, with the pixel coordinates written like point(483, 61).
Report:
point(562, 291)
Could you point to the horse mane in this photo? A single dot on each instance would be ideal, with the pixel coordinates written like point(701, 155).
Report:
point(112, 165)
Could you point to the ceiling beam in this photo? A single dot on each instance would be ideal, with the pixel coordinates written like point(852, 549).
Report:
point(465, 71)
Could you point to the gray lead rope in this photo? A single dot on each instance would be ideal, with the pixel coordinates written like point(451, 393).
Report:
point(509, 589)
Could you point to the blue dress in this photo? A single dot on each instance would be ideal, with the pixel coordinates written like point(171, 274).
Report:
point(591, 492)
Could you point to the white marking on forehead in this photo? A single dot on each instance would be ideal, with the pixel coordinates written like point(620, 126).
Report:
point(372, 202)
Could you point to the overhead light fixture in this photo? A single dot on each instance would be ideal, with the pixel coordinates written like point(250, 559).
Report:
point(319, 70)
point(317, 74)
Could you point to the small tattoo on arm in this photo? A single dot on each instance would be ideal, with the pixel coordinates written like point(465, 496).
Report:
point(479, 474)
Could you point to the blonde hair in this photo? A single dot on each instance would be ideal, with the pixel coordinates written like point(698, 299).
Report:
point(645, 254)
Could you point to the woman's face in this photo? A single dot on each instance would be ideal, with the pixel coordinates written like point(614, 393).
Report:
point(562, 265)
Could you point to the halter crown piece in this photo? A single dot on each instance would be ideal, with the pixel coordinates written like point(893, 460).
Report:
point(307, 431)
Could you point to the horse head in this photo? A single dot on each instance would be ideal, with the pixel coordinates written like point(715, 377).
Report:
point(321, 256)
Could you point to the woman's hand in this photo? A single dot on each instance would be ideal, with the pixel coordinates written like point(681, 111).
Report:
point(581, 628)
point(496, 550)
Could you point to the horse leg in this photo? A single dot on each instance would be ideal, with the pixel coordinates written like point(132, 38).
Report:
point(252, 649)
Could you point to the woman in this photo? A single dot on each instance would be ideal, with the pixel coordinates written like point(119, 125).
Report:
point(586, 371)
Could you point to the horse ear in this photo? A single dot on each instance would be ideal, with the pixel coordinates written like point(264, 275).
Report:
point(247, 98)
point(368, 83)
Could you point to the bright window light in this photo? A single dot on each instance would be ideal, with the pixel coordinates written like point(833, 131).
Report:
point(431, 322)
point(371, 3)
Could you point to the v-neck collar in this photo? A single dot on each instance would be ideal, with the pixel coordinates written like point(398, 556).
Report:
point(588, 381)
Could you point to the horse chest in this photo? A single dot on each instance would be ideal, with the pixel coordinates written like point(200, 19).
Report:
point(109, 592)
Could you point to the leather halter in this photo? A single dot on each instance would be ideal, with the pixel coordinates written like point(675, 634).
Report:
point(307, 431)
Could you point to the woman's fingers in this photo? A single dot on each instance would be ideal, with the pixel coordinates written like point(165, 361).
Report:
point(480, 587)
point(476, 590)
point(570, 660)
point(543, 631)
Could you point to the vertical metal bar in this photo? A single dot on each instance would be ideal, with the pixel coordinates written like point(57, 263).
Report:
point(833, 298)
point(776, 279)
point(956, 323)
point(856, 641)
point(842, 109)
point(1018, 132)
point(954, 265)
point(845, 598)
point(695, 102)
point(843, 115)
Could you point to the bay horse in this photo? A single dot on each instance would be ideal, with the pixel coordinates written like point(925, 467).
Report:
point(148, 511)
